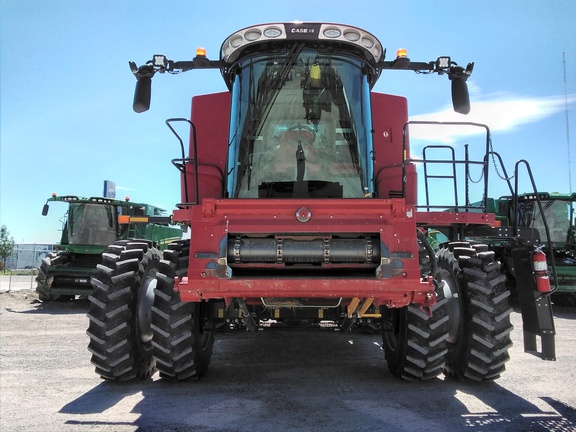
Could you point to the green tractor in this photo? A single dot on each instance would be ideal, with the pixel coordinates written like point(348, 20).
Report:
point(560, 249)
point(89, 226)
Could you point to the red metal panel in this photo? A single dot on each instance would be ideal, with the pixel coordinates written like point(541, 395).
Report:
point(211, 117)
point(389, 114)
point(215, 220)
point(392, 292)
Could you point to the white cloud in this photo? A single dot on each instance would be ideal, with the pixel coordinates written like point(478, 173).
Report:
point(502, 112)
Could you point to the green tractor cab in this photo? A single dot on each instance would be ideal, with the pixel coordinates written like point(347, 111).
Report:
point(558, 211)
point(88, 227)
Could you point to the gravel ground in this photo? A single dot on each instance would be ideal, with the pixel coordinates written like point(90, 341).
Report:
point(316, 380)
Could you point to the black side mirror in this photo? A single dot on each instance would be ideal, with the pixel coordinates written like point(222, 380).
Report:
point(45, 209)
point(142, 94)
point(460, 96)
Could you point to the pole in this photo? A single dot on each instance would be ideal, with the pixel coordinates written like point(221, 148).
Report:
point(567, 123)
point(33, 265)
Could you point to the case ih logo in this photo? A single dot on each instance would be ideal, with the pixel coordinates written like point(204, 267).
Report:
point(300, 30)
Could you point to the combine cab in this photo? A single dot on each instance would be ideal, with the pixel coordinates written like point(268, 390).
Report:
point(301, 197)
point(88, 227)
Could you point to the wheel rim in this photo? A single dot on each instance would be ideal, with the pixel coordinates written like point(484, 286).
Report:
point(451, 294)
point(145, 302)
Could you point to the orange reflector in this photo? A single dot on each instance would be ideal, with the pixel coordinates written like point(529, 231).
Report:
point(401, 52)
point(123, 219)
point(201, 52)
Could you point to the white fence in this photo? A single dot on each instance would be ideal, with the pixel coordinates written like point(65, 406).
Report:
point(27, 256)
point(15, 282)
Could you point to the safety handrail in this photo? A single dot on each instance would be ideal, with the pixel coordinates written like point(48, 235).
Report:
point(406, 160)
point(544, 221)
point(192, 158)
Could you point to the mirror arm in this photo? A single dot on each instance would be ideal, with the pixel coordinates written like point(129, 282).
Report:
point(404, 63)
point(145, 71)
point(443, 65)
point(197, 63)
point(458, 72)
point(149, 69)
point(160, 63)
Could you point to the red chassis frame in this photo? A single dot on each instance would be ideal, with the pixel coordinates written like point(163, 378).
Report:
point(395, 282)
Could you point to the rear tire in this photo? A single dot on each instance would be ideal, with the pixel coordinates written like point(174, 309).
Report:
point(477, 295)
point(120, 309)
point(44, 282)
point(183, 331)
point(414, 342)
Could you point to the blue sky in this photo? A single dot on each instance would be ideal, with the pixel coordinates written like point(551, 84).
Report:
point(66, 89)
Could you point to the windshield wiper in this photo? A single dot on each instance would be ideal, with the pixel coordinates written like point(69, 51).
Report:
point(269, 95)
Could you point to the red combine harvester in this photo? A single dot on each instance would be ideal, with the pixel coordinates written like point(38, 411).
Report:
point(300, 195)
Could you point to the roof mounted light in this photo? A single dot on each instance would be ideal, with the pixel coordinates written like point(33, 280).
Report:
point(272, 32)
point(332, 32)
point(200, 52)
point(401, 61)
point(252, 35)
point(352, 35)
point(236, 42)
point(368, 42)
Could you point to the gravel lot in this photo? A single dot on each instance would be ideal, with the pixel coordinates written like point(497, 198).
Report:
point(317, 380)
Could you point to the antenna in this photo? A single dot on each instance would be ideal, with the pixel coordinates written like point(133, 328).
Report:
point(567, 123)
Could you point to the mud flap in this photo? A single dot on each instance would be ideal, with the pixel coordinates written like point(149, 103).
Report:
point(536, 308)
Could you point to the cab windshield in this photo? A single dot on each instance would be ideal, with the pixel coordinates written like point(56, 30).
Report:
point(300, 127)
point(559, 216)
point(91, 224)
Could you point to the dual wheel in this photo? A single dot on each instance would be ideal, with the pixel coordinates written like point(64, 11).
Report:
point(467, 335)
point(137, 322)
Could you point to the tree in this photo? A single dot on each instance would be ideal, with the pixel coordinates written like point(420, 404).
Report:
point(6, 244)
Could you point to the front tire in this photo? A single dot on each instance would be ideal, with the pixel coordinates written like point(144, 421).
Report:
point(183, 331)
point(477, 295)
point(414, 342)
point(120, 311)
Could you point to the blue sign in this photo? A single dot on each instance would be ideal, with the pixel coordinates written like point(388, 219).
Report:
point(109, 189)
